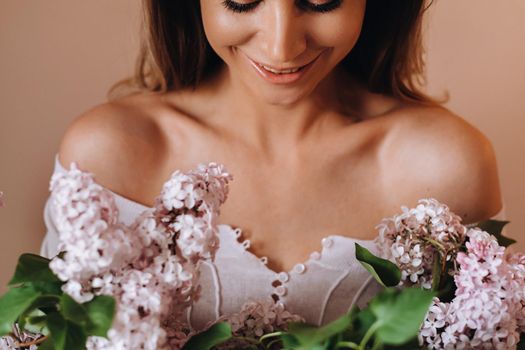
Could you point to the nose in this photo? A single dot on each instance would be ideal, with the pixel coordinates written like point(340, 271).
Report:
point(285, 38)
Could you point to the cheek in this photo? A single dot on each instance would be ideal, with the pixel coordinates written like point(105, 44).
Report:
point(223, 29)
point(340, 30)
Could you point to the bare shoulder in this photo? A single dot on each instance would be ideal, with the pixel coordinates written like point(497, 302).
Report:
point(119, 143)
point(445, 157)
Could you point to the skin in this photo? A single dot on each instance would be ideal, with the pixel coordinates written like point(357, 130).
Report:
point(321, 157)
point(274, 117)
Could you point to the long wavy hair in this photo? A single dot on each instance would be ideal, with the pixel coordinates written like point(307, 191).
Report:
point(387, 58)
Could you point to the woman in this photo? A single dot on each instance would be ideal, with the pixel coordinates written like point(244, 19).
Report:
point(314, 109)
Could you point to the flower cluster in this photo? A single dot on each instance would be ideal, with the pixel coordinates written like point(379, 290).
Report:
point(255, 319)
point(150, 266)
point(488, 311)
point(20, 339)
point(411, 239)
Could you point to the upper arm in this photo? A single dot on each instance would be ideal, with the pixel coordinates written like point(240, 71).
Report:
point(120, 147)
point(445, 157)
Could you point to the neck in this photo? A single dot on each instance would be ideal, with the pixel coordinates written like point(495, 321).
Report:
point(271, 127)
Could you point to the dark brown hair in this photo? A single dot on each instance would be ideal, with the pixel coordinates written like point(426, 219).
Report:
point(387, 58)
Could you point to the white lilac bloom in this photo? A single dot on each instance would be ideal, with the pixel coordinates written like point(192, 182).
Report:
point(87, 223)
point(412, 239)
point(150, 267)
point(488, 310)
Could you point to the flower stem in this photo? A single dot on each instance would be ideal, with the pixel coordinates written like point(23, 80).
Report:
point(270, 335)
point(377, 344)
point(436, 272)
point(33, 342)
point(434, 243)
point(369, 334)
point(346, 344)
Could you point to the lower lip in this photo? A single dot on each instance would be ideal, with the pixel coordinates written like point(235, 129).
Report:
point(286, 78)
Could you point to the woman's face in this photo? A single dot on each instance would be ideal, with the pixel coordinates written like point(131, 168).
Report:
point(281, 35)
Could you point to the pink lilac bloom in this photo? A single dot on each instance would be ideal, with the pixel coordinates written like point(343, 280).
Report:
point(256, 318)
point(412, 238)
point(151, 267)
point(488, 310)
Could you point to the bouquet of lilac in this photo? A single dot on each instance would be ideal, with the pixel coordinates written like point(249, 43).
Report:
point(447, 285)
point(475, 299)
point(115, 286)
point(481, 289)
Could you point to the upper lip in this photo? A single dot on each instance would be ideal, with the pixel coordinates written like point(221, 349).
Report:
point(283, 68)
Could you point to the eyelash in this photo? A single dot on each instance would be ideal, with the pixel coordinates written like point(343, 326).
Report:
point(305, 5)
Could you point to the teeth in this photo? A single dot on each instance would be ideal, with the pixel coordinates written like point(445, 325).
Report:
point(281, 71)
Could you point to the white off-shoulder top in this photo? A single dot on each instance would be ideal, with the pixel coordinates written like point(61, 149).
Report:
point(320, 289)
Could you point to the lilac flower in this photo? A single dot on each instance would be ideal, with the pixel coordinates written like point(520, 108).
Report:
point(255, 319)
point(488, 310)
point(412, 239)
point(17, 337)
point(151, 267)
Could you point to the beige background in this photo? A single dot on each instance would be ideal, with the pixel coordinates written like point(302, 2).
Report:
point(59, 58)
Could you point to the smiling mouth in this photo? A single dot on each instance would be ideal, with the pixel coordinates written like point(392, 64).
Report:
point(280, 71)
point(281, 75)
point(283, 70)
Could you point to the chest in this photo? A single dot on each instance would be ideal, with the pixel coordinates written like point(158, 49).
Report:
point(286, 207)
point(286, 216)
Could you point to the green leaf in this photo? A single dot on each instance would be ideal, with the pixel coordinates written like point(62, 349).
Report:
point(412, 344)
point(384, 271)
point(491, 226)
point(308, 335)
point(46, 345)
point(100, 311)
point(49, 288)
point(65, 334)
point(353, 314)
point(362, 322)
point(94, 317)
point(35, 322)
point(289, 341)
point(33, 268)
point(57, 329)
point(400, 313)
point(41, 301)
point(73, 311)
point(13, 304)
point(215, 335)
point(495, 227)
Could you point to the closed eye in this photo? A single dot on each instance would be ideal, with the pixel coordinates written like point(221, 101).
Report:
point(323, 7)
point(302, 4)
point(240, 7)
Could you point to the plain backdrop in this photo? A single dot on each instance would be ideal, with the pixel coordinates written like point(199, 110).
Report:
point(58, 58)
